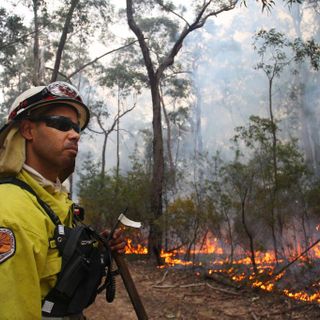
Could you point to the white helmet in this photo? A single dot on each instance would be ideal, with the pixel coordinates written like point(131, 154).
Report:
point(56, 93)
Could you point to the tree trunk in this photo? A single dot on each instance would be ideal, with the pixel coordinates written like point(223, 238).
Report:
point(274, 137)
point(274, 190)
point(230, 236)
point(63, 39)
point(154, 245)
point(171, 173)
point(273, 232)
point(118, 138)
point(103, 160)
point(250, 237)
point(155, 236)
point(198, 143)
point(154, 76)
point(158, 164)
point(193, 241)
point(36, 50)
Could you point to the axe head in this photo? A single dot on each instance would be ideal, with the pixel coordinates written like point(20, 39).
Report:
point(129, 223)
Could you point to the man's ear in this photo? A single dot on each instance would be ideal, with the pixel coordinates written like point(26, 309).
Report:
point(26, 129)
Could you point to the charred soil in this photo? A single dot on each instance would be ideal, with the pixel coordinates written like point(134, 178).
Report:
point(186, 295)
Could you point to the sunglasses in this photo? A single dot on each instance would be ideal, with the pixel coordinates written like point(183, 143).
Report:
point(58, 122)
point(56, 89)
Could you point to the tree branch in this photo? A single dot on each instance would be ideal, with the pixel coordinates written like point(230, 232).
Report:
point(215, 13)
point(173, 12)
point(98, 58)
point(198, 23)
point(60, 73)
point(143, 45)
point(118, 117)
point(115, 120)
point(94, 131)
point(16, 40)
point(63, 39)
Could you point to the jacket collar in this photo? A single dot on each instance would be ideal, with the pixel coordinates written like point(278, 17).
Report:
point(50, 186)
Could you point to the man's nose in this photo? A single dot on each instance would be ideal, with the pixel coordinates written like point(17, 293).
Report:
point(74, 135)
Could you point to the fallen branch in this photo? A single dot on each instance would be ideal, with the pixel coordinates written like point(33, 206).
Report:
point(195, 294)
point(192, 285)
point(222, 290)
point(163, 278)
point(219, 278)
point(169, 286)
point(200, 284)
point(254, 316)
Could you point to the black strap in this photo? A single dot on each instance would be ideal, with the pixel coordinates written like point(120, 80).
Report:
point(71, 245)
point(23, 185)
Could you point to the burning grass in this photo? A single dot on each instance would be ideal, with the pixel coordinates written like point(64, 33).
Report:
point(297, 278)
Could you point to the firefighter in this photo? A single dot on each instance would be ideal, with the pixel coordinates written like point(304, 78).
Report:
point(38, 145)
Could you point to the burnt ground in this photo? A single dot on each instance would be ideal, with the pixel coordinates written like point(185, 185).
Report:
point(181, 294)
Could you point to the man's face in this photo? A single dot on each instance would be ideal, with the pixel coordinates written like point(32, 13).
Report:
point(49, 150)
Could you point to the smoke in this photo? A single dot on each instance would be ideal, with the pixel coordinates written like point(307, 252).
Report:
point(221, 59)
point(231, 89)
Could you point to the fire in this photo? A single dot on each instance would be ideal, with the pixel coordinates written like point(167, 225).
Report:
point(139, 249)
point(211, 246)
point(267, 287)
point(171, 261)
point(262, 276)
point(303, 296)
point(316, 251)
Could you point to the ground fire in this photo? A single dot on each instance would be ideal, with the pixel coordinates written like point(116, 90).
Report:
point(284, 277)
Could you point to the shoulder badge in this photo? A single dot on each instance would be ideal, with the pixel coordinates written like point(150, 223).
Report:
point(7, 244)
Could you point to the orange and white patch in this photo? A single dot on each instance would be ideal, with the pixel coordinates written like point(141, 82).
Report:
point(7, 244)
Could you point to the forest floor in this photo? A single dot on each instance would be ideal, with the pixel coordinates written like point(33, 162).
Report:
point(180, 293)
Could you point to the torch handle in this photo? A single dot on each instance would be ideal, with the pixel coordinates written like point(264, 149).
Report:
point(130, 286)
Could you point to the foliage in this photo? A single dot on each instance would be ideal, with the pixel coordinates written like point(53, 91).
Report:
point(88, 16)
point(268, 4)
point(309, 49)
point(123, 76)
point(273, 48)
point(12, 36)
point(106, 196)
point(185, 222)
point(14, 39)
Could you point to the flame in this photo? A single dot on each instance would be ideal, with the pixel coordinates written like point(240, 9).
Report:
point(257, 278)
point(316, 251)
point(303, 296)
point(131, 249)
point(170, 260)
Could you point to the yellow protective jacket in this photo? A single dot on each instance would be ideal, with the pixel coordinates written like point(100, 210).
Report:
point(29, 270)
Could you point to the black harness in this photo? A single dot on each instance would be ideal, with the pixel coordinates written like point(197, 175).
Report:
point(85, 262)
